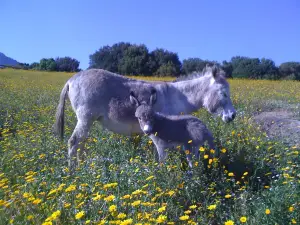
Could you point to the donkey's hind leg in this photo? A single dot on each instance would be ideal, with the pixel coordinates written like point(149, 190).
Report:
point(76, 142)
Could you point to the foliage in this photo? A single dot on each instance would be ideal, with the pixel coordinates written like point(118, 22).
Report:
point(191, 65)
point(290, 69)
point(62, 64)
point(121, 184)
point(126, 58)
point(67, 64)
point(134, 60)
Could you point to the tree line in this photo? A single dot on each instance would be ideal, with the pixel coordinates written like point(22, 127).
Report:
point(63, 64)
point(132, 59)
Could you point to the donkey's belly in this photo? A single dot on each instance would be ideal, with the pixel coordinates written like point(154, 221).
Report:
point(121, 128)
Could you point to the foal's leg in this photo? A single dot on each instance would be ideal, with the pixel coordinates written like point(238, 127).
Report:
point(76, 141)
point(162, 154)
point(189, 154)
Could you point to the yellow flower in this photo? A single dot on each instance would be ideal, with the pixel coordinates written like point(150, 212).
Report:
point(97, 197)
point(47, 223)
point(112, 208)
point(211, 207)
point(30, 217)
point(137, 192)
point(136, 203)
point(37, 201)
point(190, 141)
point(121, 216)
point(71, 188)
point(243, 219)
point(223, 150)
point(67, 205)
point(26, 195)
point(185, 217)
point(162, 209)
point(125, 197)
point(52, 191)
point(55, 214)
point(88, 222)
point(201, 149)
point(109, 198)
point(149, 178)
point(294, 221)
point(245, 174)
point(111, 185)
point(291, 209)
point(268, 211)
point(102, 222)
point(79, 215)
point(126, 222)
point(229, 222)
point(205, 156)
point(228, 196)
point(193, 207)
point(161, 219)
point(187, 212)
point(231, 174)
point(170, 193)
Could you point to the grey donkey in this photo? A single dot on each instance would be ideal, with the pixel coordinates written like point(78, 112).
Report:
point(170, 131)
point(99, 95)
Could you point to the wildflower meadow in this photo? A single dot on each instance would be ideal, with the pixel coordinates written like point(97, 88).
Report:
point(255, 180)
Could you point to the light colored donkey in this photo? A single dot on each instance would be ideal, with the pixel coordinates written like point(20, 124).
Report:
point(170, 131)
point(98, 94)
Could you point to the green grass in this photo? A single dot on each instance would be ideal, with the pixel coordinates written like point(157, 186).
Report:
point(36, 188)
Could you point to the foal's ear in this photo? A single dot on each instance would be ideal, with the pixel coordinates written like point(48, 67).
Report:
point(133, 99)
point(153, 97)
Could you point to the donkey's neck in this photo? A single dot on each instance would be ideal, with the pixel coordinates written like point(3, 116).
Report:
point(187, 96)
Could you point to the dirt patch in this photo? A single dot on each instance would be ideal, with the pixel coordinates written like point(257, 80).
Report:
point(280, 124)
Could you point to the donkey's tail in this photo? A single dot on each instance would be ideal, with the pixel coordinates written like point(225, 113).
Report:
point(59, 123)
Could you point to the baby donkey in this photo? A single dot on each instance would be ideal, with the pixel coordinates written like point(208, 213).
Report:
point(170, 131)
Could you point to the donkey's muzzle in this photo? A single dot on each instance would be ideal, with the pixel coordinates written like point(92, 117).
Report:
point(147, 129)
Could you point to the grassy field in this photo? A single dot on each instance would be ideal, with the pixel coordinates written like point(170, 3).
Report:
point(122, 184)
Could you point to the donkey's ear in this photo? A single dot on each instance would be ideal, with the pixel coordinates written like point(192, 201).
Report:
point(214, 71)
point(133, 99)
point(153, 97)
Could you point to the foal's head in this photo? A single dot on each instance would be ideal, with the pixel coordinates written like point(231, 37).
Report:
point(144, 112)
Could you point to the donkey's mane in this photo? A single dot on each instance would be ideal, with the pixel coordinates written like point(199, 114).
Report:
point(190, 76)
point(197, 74)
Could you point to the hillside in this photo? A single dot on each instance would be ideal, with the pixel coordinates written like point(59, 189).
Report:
point(7, 61)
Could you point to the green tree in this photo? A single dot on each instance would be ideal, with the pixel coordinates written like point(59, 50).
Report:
point(134, 61)
point(290, 70)
point(109, 57)
point(191, 65)
point(268, 69)
point(47, 64)
point(67, 64)
point(165, 59)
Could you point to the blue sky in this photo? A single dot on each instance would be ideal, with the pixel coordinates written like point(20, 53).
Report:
point(210, 29)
